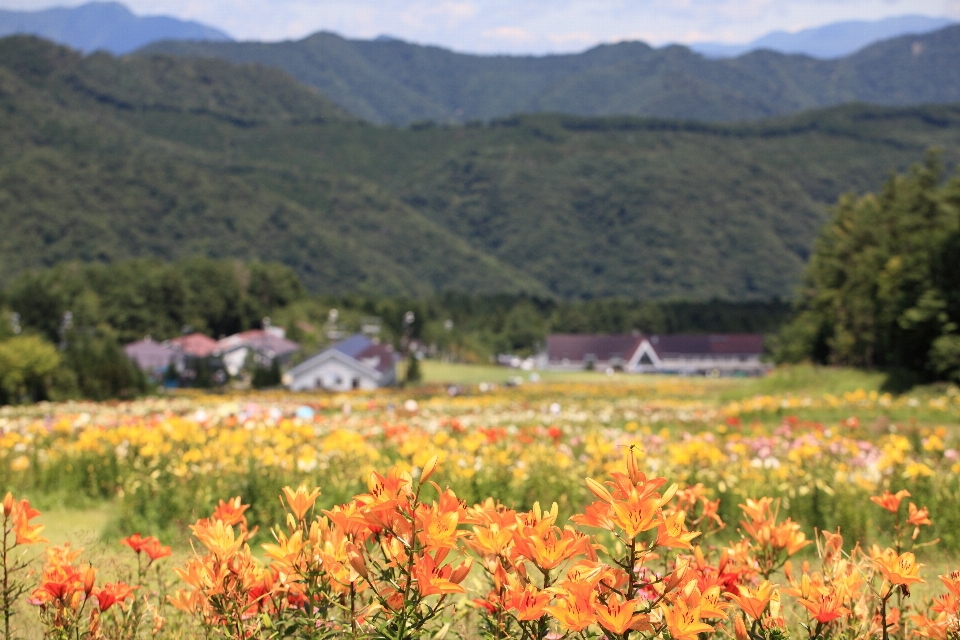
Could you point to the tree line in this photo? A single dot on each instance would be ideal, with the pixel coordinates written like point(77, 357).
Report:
point(63, 327)
point(882, 288)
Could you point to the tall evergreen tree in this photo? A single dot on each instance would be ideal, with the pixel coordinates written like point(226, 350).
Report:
point(881, 288)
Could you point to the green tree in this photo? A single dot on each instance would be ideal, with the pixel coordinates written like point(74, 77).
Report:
point(102, 369)
point(524, 327)
point(414, 374)
point(27, 364)
point(881, 288)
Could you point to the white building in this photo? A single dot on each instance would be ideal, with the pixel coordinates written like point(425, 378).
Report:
point(725, 353)
point(355, 363)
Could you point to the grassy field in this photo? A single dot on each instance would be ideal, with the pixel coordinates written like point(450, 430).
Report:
point(436, 372)
point(798, 379)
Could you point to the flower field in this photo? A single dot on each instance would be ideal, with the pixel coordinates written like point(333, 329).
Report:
point(665, 508)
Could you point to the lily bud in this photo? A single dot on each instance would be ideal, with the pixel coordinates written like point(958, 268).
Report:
point(740, 629)
point(268, 581)
point(88, 577)
point(356, 561)
point(668, 494)
point(8, 504)
point(599, 490)
point(462, 571)
point(428, 469)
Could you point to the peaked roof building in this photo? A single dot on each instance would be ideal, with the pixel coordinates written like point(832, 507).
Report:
point(354, 363)
point(725, 353)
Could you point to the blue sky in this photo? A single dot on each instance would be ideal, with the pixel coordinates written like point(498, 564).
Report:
point(523, 26)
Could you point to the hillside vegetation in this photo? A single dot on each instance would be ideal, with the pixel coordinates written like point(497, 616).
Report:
point(398, 82)
point(104, 159)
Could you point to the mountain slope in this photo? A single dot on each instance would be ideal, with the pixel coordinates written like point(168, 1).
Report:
point(397, 82)
point(829, 41)
point(167, 160)
point(77, 182)
point(106, 26)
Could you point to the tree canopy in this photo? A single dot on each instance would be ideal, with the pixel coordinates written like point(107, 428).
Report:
point(882, 288)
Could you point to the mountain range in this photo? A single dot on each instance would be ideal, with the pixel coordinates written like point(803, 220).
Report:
point(103, 26)
point(105, 158)
point(828, 41)
point(390, 81)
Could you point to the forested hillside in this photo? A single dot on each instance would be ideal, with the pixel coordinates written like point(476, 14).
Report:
point(103, 159)
point(398, 82)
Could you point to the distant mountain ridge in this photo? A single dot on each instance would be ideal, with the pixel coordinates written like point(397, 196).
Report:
point(104, 159)
point(829, 41)
point(391, 81)
point(104, 26)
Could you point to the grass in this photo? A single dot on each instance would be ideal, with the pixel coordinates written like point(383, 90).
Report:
point(436, 372)
point(82, 527)
point(809, 379)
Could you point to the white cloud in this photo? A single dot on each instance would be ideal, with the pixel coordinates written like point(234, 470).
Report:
point(510, 34)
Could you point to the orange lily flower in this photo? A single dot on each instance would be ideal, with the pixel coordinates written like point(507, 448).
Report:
point(901, 569)
point(490, 541)
point(440, 529)
point(301, 500)
point(710, 604)
point(113, 593)
point(349, 519)
point(755, 603)
point(757, 510)
point(187, 600)
point(947, 603)
point(287, 550)
point(528, 603)
point(683, 622)
point(574, 612)
point(552, 548)
point(218, 538)
point(952, 583)
point(617, 617)
point(891, 501)
point(826, 609)
point(231, 512)
point(135, 542)
point(434, 579)
point(21, 513)
point(938, 629)
point(155, 550)
point(918, 517)
point(670, 532)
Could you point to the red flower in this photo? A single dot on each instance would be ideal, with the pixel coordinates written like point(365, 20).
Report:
point(112, 593)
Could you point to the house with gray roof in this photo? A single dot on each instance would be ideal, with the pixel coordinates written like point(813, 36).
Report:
point(355, 363)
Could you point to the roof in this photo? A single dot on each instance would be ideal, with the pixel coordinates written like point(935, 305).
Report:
point(259, 340)
point(711, 344)
point(576, 347)
point(378, 356)
point(195, 344)
point(150, 355)
point(354, 345)
point(334, 354)
point(357, 350)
